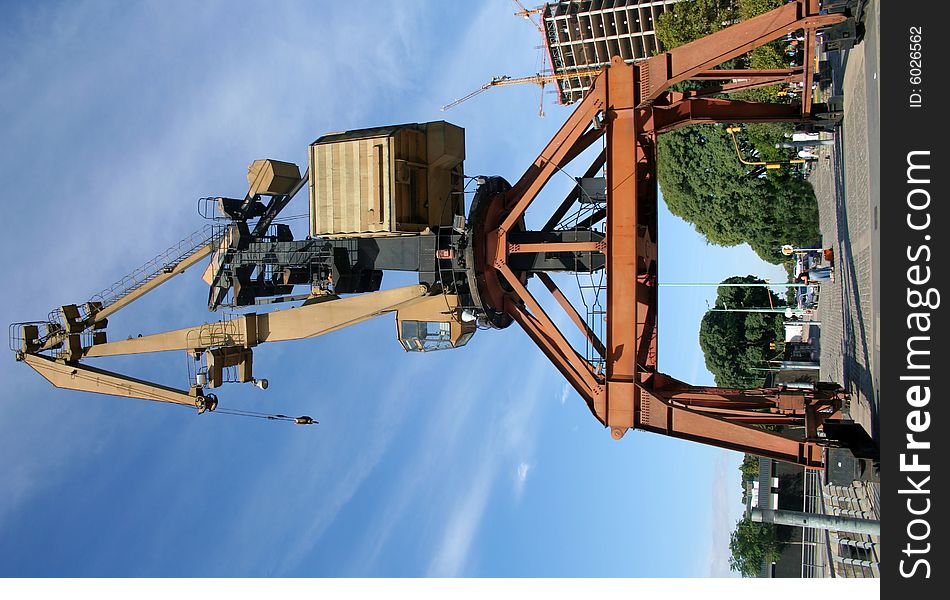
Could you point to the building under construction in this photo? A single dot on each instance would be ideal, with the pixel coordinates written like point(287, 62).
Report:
point(586, 34)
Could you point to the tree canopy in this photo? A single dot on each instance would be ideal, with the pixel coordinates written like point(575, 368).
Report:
point(752, 545)
point(730, 203)
point(735, 344)
point(698, 169)
point(749, 468)
point(692, 20)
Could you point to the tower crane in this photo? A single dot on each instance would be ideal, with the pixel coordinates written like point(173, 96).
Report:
point(391, 199)
point(537, 79)
point(527, 12)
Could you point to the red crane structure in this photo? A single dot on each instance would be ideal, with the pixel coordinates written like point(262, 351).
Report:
point(630, 105)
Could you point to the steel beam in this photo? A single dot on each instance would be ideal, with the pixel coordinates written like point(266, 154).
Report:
point(629, 392)
point(718, 110)
point(623, 154)
point(679, 64)
point(748, 74)
point(526, 247)
point(565, 143)
point(147, 287)
point(659, 416)
point(575, 193)
point(558, 295)
point(74, 376)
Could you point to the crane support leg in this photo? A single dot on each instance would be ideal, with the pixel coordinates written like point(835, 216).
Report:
point(631, 106)
point(660, 416)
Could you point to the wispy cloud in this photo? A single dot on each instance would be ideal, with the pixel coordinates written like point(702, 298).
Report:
point(315, 492)
point(452, 551)
point(515, 440)
point(521, 476)
point(565, 393)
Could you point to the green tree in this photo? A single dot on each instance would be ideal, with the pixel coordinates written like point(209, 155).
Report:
point(735, 344)
point(692, 20)
point(728, 202)
point(749, 468)
point(752, 545)
point(700, 175)
point(749, 8)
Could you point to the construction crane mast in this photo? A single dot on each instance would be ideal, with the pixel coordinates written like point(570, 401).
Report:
point(391, 199)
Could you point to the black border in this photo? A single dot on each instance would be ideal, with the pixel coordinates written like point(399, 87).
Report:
point(904, 129)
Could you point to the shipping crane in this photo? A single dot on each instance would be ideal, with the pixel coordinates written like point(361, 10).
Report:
point(391, 199)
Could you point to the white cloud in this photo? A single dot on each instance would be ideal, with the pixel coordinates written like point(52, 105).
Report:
point(523, 469)
point(314, 492)
point(515, 436)
point(565, 393)
point(452, 552)
point(521, 475)
point(455, 484)
point(444, 429)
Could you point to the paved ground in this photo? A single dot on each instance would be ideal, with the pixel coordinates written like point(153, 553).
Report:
point(846, 184)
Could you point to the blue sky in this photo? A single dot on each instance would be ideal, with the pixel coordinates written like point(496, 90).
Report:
point(115, 119)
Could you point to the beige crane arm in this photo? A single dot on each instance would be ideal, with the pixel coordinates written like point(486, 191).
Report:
point(83, 378)
point(132, 288)
point(227, 343)
point(248, 330)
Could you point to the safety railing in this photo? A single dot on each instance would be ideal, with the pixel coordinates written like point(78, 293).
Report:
point(164, 263)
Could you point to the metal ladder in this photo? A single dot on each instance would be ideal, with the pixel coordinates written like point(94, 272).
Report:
point(165, 262)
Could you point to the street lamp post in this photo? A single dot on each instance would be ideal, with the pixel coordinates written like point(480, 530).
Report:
point(768, 165)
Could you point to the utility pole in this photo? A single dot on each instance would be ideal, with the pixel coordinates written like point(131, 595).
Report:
point(764, 285)
point(750, 310)
point(816, 521)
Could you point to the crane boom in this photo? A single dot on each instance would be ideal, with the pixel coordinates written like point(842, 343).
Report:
point(250, 329)
point(526, 13)
point(537, 79)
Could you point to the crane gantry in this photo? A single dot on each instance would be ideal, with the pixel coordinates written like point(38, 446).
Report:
point(391, 198)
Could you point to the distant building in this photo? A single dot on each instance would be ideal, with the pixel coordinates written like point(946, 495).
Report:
point(586, 34)
point(811, 552)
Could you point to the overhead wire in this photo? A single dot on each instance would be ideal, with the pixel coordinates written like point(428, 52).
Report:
point(302, 420)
